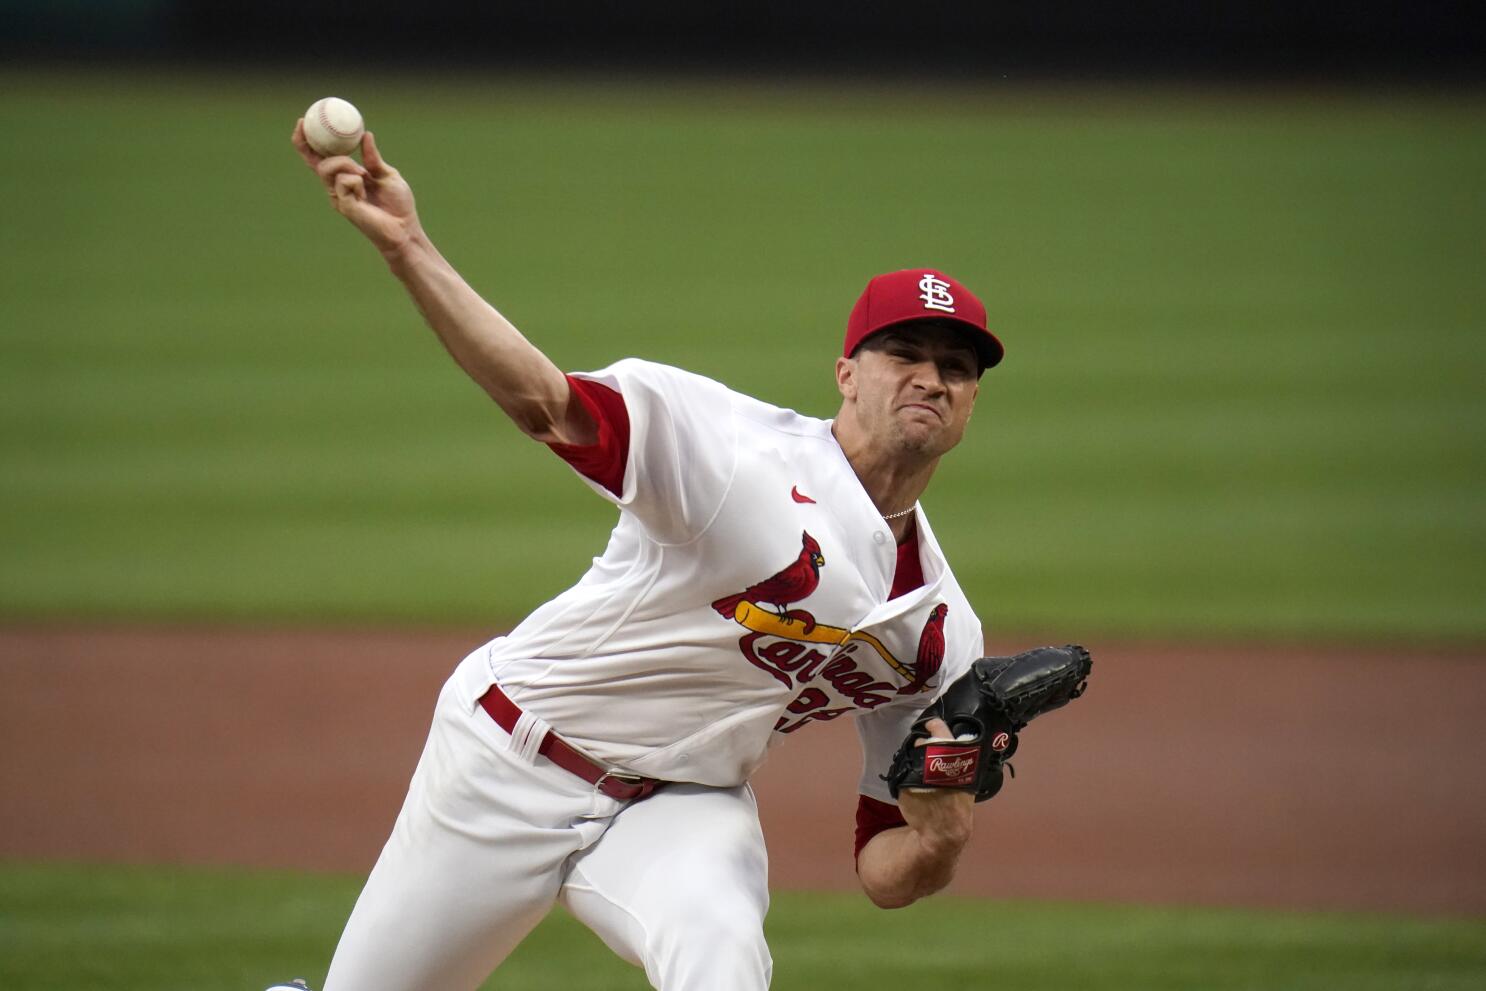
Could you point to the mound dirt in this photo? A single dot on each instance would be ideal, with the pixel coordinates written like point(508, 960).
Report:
point(1283, 777)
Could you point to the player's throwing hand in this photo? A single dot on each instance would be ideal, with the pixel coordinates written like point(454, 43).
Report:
point(374, 196)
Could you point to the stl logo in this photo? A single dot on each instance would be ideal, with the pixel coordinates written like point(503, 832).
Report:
point(936, 293)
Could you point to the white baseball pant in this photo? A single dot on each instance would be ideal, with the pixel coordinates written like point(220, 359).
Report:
point(490, 838)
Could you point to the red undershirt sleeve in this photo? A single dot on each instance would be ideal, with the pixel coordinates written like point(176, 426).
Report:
point(873, 816)
point(604, 459)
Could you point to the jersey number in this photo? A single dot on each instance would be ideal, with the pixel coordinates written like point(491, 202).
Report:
point(808, 705)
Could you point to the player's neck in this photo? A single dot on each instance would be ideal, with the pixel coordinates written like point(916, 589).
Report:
point(903, 527)
point(893, 480)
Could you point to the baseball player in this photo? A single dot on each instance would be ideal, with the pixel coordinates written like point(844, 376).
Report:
point(768, 571)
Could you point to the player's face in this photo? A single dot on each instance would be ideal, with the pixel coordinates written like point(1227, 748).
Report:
point(913, 388)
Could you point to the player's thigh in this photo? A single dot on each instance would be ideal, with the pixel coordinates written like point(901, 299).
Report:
point(433, 918)
point(474, 862)
point(679, 885)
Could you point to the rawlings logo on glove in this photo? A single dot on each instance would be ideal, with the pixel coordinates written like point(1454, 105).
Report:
point(950, 767)
point(985, 709)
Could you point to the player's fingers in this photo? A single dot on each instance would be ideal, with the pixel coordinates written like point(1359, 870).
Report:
point(938, 729)
point(375, 163)
point(349, 187)
point(337, 165)
point(311, 157)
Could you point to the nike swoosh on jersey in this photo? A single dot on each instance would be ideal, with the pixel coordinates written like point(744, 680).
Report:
point(794, 493)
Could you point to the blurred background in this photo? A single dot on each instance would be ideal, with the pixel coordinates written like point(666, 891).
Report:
point(1238, 445)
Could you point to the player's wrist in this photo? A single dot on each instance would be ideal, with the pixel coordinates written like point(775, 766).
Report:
point(941, 819)
point(943, 842)
point(405, 250)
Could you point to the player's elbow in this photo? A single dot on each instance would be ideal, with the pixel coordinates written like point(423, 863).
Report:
point(891, 882)
point(538, 423)
point(543, 418)
point(902, 891)
point(551, 414)
point(889, 899)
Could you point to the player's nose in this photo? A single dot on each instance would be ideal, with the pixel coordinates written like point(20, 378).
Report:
point(927, 376)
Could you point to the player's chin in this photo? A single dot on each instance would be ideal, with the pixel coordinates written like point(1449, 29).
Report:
point(929, 439)
point(921, 439)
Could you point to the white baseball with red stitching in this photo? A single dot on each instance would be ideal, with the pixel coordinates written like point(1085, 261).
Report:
point(333, 126)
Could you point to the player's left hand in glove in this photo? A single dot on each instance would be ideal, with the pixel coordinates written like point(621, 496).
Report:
point(985, 708)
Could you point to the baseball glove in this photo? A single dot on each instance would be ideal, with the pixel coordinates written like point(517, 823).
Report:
point(985, 708)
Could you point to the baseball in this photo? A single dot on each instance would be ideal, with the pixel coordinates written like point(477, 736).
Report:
point(333, 126)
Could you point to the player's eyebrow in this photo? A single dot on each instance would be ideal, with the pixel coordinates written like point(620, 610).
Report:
point(904, 338)
point(954, 347)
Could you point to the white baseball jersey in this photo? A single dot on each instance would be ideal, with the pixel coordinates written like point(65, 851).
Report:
point(743, 595)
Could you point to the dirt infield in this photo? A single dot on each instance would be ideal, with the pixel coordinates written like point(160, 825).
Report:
point(1214, 775)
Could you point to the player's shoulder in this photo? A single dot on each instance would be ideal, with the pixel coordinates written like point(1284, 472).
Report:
point(655, 375)
point(679, 383)
point(780, 420)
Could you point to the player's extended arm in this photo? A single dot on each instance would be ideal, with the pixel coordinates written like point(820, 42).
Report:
point(899, 866)
point(522, 380)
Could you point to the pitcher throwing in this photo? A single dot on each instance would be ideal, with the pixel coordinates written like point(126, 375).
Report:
point(768, 570)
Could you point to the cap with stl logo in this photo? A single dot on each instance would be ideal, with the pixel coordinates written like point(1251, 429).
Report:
point(920, 294)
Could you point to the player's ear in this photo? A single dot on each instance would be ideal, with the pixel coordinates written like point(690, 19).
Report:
point(970, 411)
point(846, 377)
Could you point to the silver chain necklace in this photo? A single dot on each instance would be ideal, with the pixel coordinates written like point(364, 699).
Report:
point(894, 516)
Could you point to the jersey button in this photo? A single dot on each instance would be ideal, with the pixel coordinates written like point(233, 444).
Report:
point(879, 536)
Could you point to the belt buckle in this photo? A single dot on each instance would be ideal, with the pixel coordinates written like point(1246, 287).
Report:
point(627, 777)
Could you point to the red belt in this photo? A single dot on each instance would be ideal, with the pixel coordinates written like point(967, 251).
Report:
point(616, 784)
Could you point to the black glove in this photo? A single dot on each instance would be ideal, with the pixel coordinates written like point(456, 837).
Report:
point(985, 708)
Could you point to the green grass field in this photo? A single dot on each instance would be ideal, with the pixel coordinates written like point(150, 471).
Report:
point(122, 929)
point(1242, 396)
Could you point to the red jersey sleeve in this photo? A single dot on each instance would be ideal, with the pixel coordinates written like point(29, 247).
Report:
point(604, 459)
point(874, 817)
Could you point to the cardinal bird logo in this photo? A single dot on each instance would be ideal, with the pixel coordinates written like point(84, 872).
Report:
point(793, 584)
point(930, 651)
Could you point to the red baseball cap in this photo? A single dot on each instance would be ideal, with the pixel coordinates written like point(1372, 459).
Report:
point(920, 294)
